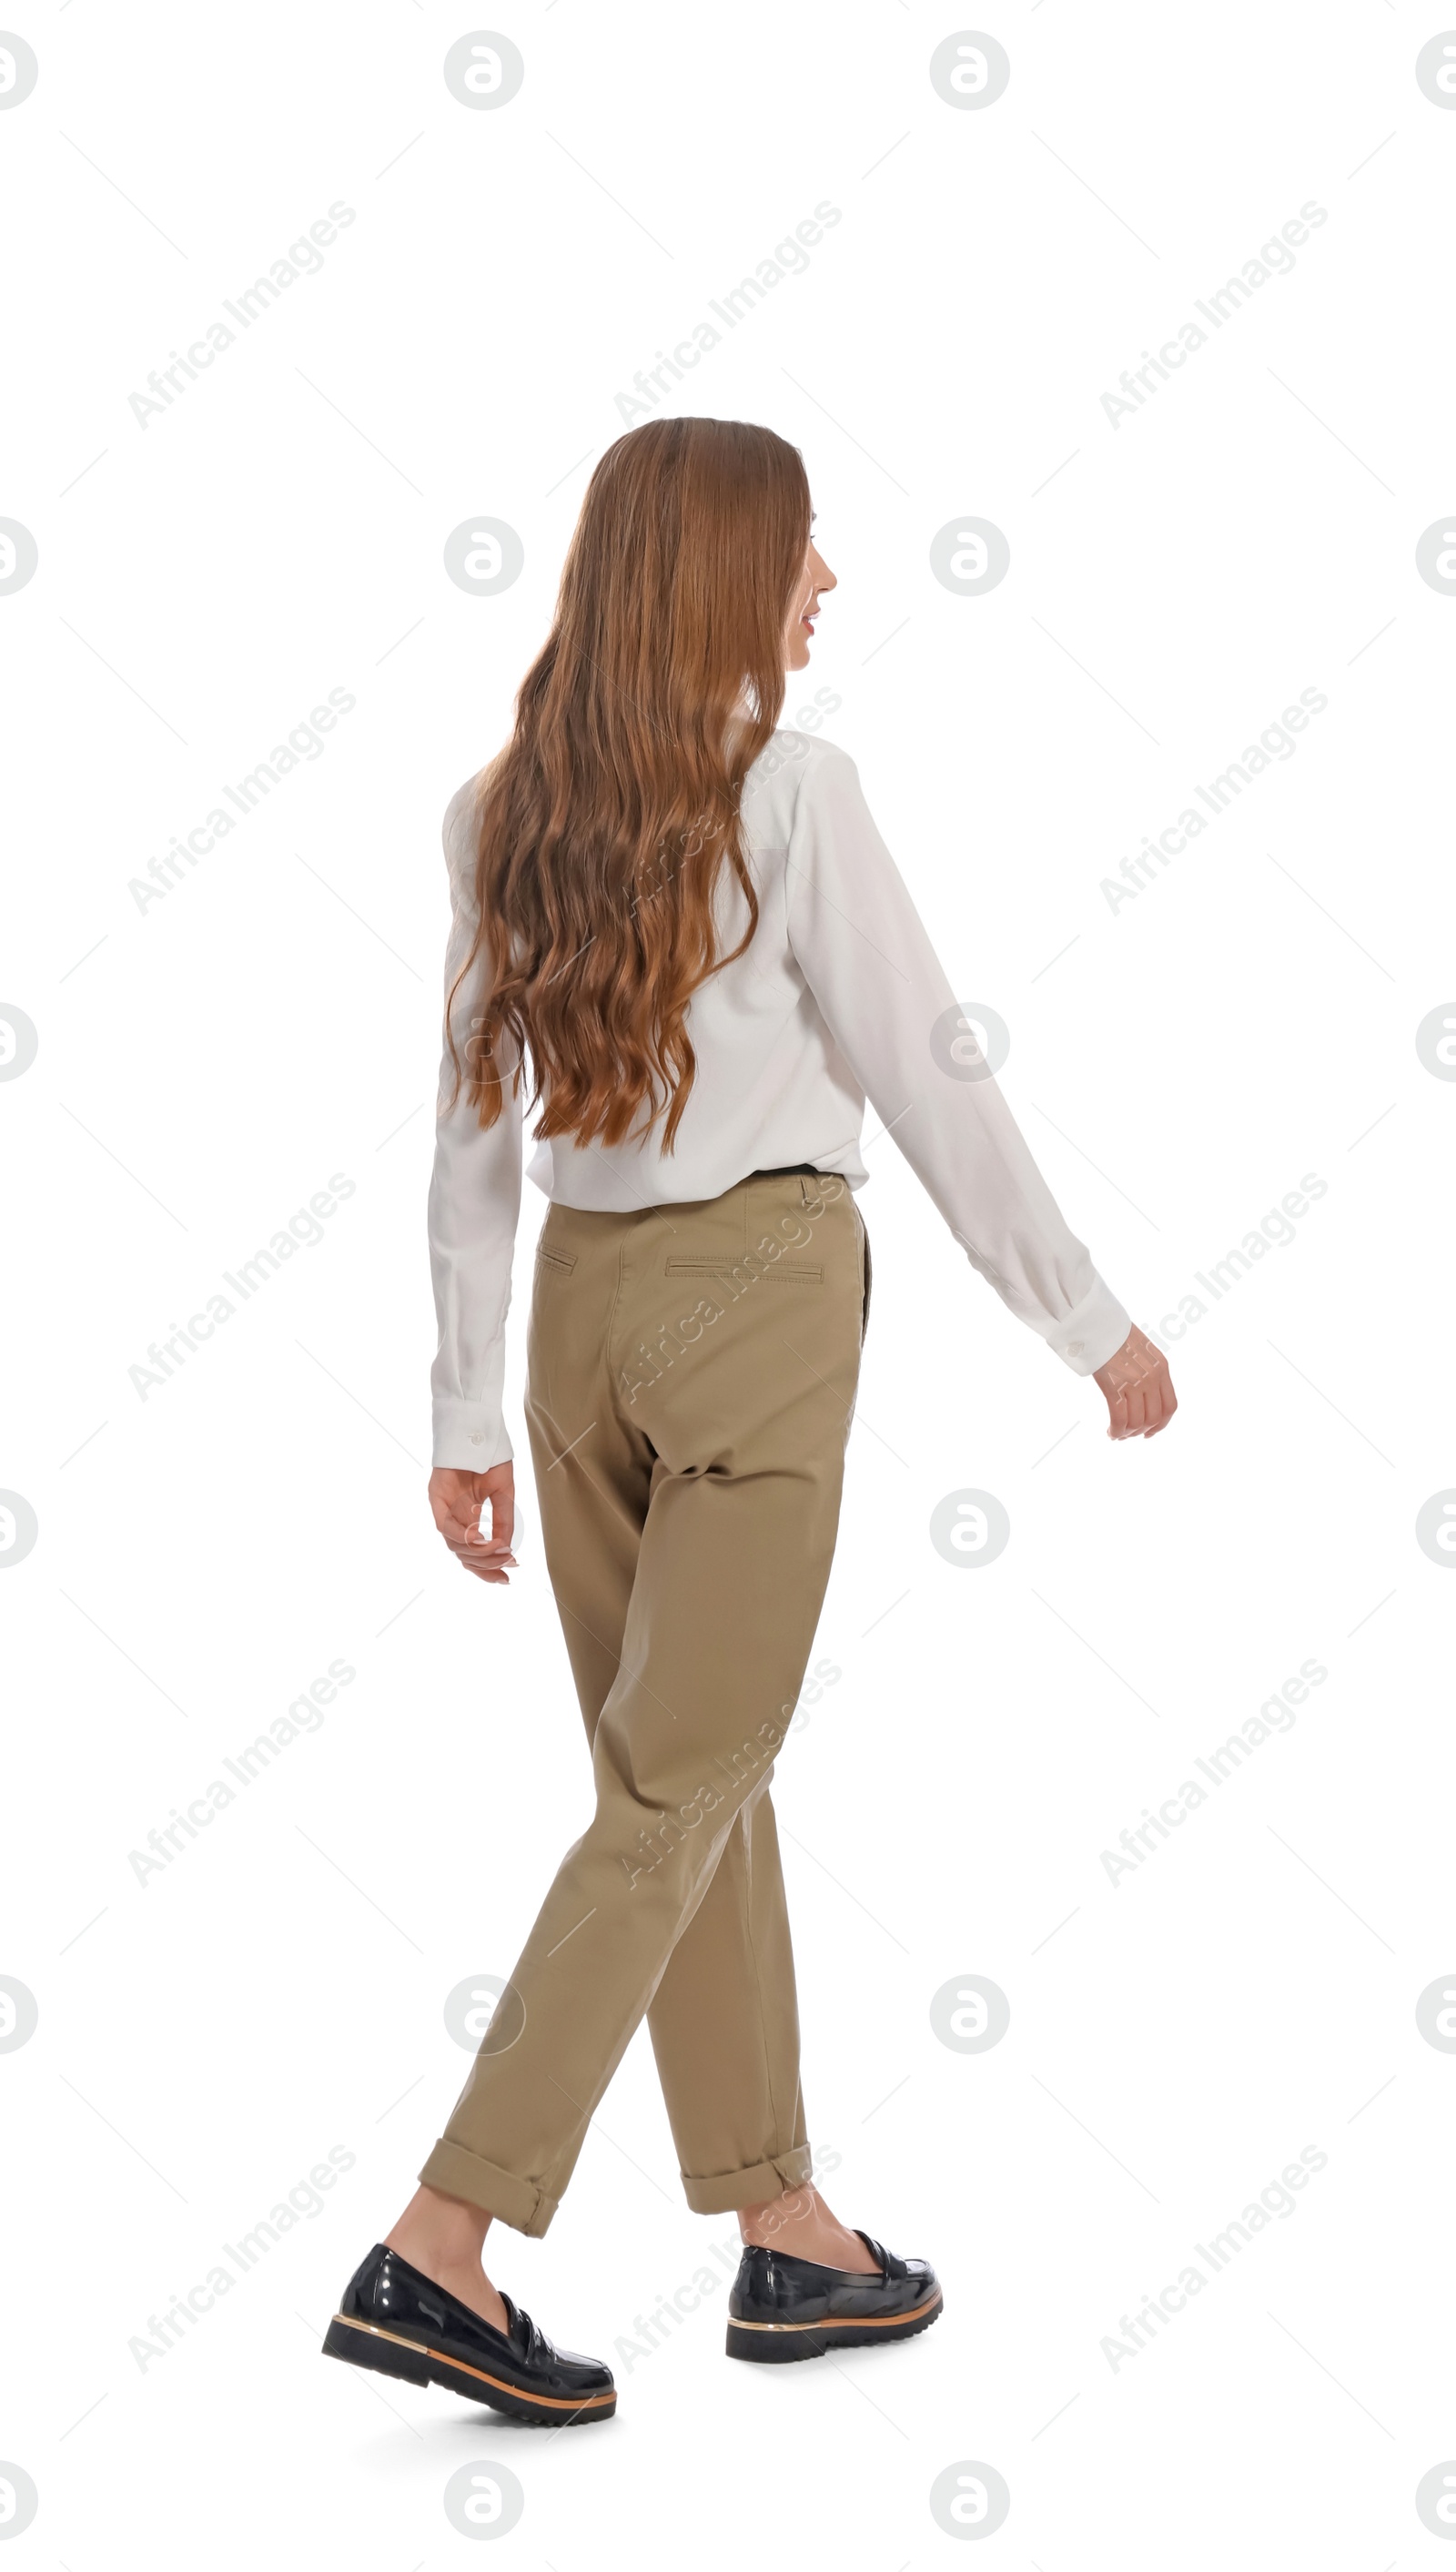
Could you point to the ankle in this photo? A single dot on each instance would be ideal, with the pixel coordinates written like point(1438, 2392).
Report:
point(798, 2209)
point(800, 2225)
point(437, 2231)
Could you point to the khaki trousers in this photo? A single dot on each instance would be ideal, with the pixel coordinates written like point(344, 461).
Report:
point(691, 1377)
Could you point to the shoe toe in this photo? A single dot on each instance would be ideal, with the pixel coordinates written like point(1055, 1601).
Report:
point(583, 2374)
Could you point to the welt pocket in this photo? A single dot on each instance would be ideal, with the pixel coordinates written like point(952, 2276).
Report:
point(559, 1259)
point(798, 1274)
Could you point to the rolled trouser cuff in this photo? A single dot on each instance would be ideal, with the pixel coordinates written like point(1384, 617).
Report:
point(723, 2192)
point(517, 2202)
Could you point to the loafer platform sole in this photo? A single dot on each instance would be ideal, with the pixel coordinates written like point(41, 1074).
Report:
point(775, 2343)
point(389, 2353)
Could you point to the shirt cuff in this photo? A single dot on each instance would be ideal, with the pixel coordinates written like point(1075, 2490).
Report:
point(1091, 1332)
point(470, 1435)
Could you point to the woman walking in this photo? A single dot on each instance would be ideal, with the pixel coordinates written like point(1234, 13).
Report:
point(679, 934)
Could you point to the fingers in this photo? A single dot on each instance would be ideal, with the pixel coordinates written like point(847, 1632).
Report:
point(1141, 1405)
point(487, 1562)
point(484, 1553)
point(457, 1499)
point(1170, 1402)
point(1151, 1403)
point(497, 1574)
point(1138, 1388)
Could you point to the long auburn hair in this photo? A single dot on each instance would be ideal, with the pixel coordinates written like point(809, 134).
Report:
point(603, 825)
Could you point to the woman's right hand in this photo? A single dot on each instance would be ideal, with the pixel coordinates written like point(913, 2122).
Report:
point(457, 1501)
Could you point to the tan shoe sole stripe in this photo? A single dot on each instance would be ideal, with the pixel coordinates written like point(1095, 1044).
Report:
point(422, 2349)
point(843, 2321)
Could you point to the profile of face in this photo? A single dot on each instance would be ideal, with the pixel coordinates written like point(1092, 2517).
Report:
point(815, 580)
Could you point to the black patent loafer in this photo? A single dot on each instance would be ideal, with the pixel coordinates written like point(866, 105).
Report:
point(781, 2308)
point(398, 2322)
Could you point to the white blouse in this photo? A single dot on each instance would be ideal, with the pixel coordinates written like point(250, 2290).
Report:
point(839, 998)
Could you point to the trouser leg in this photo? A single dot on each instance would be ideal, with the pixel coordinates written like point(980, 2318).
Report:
point(724, 2022)
point(725, 2029)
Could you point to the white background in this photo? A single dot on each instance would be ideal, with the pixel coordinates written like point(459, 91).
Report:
point(206, 1063)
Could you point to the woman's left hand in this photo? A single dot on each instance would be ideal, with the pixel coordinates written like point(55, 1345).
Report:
point(1139, 1387)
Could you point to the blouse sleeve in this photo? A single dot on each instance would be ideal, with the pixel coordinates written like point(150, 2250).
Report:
point(474, 1200)
point(880, 986)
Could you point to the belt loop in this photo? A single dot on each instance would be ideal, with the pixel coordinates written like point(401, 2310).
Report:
point(803, 1193)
